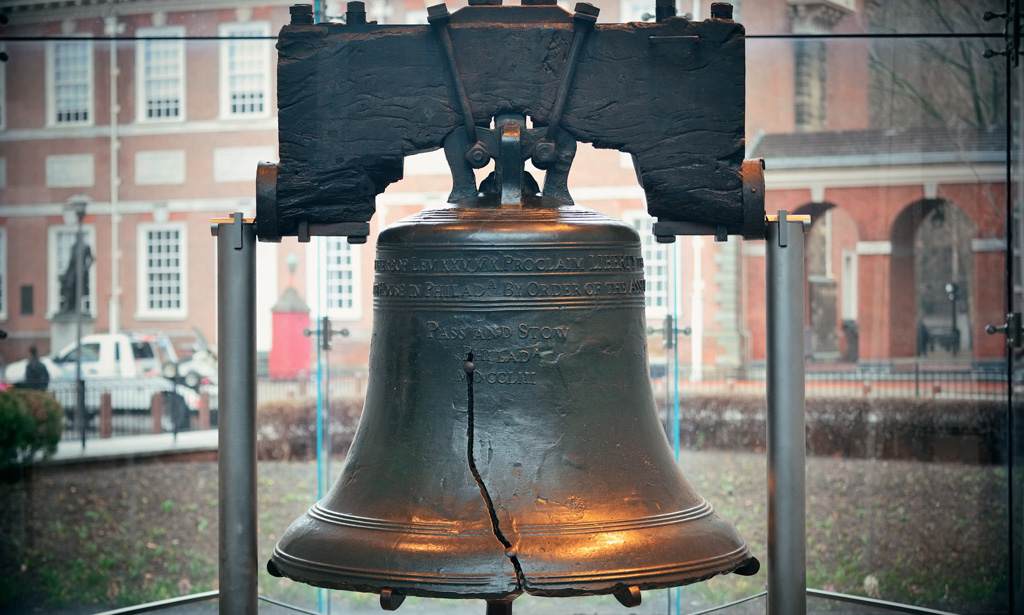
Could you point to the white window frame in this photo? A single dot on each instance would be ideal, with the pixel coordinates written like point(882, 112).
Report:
point(416, 16)
point(232, 30)
point(178, 48)
point(5, 298)
point(656, 261)
point(849, 282)
point(633, 10)
point(319, 254)
point(56, 263)
point(51, 85)
point(143, 310)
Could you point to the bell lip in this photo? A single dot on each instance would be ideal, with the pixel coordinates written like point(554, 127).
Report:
point(304, 571)
point(748, 561)
point(701, 571)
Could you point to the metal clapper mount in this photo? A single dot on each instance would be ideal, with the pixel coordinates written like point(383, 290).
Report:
point(550, 147)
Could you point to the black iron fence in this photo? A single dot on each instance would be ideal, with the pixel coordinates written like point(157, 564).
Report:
point(911, 379)
point(125, 407)
point(153, 405)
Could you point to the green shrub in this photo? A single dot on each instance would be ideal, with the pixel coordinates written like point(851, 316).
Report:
point(286, 429)
point(31, 422)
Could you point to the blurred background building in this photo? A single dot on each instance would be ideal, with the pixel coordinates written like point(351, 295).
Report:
point(161, 127)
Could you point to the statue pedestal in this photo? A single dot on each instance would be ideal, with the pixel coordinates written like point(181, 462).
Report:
point(63, 329)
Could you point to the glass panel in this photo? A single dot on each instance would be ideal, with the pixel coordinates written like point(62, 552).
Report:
point(849, 17)
point(895, 147)
point(1016, 266)
point(903, 177)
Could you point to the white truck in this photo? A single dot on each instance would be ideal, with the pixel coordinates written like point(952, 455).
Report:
point(129, 366)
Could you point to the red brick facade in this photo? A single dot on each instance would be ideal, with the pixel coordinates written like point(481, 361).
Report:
point(865, 218)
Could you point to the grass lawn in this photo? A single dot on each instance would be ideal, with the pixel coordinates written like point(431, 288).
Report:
point(930, 534)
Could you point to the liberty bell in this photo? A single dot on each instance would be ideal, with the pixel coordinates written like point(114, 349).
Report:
point(509, 441)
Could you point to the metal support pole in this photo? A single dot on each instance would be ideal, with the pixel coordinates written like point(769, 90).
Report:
point(236, 334)
point(79, 287)
point(787, 548)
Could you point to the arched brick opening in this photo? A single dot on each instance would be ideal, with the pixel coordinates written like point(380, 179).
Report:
point(913, 329)
point(831, 288)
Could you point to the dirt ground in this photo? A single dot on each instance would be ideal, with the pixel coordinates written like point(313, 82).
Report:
point(87, 540)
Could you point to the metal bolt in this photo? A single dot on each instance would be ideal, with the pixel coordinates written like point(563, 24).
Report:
point(478, 156)
point(721, 10)
point(355, 13)
point(586, 12)
point(544, 153)
point(468, 367)
point(302, 14)
point(438, 13)
point(511, 552)
point(663, 9)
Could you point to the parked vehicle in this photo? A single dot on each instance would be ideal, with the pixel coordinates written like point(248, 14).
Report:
point(129, 366)
point(201, 368)
point(104, 355)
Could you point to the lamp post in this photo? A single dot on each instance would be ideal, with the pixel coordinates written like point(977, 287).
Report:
point(79, 203)
point(954, 333)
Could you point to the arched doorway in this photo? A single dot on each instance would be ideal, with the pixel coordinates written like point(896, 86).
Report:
point(832, 331)
point(932, 254)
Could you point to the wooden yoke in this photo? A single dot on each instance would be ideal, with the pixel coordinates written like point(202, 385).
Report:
point(354, 99)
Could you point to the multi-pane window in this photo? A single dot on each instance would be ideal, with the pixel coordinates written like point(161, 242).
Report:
point(655, 264)
point(61, 277)
point(162, 284)
point(70, 78)
point(341, 277)
point(160, 79)
point(635, 10)
point(245, 70)
point(809, 100)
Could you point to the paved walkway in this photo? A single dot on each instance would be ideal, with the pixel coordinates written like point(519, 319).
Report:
point(123, 447)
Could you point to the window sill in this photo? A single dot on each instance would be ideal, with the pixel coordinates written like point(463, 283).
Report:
point(154, 316)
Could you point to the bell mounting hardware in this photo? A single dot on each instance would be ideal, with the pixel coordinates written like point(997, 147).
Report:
point(509, 441)
point(356, 98)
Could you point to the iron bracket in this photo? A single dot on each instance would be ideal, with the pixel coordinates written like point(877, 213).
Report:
point(326, 333)
point(1011, 32)
point(1013, 330)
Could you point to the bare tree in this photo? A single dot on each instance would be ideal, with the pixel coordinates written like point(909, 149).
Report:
point(938, 79)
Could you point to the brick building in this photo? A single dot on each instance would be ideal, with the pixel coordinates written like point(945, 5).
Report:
point(162, 127)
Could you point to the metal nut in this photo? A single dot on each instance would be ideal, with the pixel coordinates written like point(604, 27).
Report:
point(478, 156)
point(544, 153)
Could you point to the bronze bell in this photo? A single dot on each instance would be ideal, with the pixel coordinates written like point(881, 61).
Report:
point(510, 440)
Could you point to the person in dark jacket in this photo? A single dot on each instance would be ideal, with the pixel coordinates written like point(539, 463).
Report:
point(36, 375)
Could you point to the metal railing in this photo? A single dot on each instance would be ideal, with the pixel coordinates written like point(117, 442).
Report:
point(917, 379)
point(132, 402)
point(126, 407)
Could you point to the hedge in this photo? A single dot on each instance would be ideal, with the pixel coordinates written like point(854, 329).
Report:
point(286, 429)
point(918, 429)
point(921, 429)
point(31, 423)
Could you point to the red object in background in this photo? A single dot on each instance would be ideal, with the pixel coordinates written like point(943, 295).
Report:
point(290, 351)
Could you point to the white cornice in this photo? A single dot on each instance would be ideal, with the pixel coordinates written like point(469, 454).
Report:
point(37, 11)
point(140, 130)
point(860, 177)
point(222, 206)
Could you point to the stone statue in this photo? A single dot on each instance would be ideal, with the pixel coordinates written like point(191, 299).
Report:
point(67, 279)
